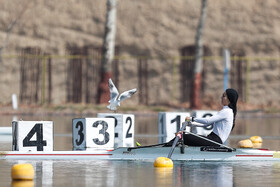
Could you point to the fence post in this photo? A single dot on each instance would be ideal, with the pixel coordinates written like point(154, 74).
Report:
point(248, 69)
point(49, 80)
point(226, 60)
point(173, 79)
point(43, 80)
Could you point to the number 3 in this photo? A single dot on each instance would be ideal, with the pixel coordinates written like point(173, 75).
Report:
point(101, 131)
point(80, 133)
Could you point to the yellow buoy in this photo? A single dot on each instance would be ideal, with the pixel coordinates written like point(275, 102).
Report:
point(22, 183)
point(163, 162)
point(257, 145)
point(245, 143)
point(256, 139)
point(22, 172)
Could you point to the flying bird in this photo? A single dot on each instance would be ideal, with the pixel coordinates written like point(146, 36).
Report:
point(115, 99)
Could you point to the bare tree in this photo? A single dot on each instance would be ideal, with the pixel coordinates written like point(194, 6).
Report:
point(195, 101)
point(108, 51)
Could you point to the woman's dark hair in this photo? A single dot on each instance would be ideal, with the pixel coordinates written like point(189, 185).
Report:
point(232, 96)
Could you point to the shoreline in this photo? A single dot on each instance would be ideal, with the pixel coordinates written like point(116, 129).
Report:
point(87, 110)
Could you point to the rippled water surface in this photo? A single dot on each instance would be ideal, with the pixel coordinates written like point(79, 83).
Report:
point(138, 173)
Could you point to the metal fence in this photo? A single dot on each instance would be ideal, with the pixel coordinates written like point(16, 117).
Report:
point(42, 78)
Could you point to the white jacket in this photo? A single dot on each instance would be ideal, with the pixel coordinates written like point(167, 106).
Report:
point(222, 122)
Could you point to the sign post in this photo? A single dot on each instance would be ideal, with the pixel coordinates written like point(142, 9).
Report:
point(226, 60)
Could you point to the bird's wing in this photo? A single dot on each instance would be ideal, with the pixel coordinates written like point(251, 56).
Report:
point(113, 90)
point(127, 94)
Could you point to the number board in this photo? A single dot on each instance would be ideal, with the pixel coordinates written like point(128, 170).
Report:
point(203, 114)
point(93, 133)
point(124, 128)
point(32, 135)
point(169, 123)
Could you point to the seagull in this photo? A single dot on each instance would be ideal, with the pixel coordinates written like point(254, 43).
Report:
point(114, 93)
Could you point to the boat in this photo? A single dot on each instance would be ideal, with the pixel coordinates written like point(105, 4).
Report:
point(178, 152)
point(5, 134)
point(150, 153)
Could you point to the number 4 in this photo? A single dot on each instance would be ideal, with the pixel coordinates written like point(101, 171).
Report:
point(39, 142)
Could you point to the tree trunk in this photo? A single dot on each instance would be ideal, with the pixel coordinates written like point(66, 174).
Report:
point(107, 52)
point(195, 99)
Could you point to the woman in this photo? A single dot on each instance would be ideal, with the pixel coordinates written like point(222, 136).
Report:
point(223, 122)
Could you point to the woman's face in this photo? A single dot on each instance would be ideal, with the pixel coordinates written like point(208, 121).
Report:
point(224, 99)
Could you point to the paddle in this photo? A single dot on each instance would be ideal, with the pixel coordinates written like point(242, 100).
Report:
point(145, 146)
point(167, 162)
point(178, 136)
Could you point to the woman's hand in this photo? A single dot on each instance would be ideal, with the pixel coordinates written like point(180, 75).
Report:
point(180, 133)
point(188, 119)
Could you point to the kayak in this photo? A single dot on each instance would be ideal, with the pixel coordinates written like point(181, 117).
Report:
point(147, 153)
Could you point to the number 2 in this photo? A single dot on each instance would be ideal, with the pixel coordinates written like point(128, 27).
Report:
point(116, 123)
point(128, 135)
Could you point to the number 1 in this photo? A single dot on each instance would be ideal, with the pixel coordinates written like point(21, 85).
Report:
point(178, 121)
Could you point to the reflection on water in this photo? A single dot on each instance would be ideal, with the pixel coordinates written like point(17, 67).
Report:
point(163, 176)
point(203, 174)
point(129, 173)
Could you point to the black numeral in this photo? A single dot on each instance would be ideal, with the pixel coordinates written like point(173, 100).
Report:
point(128, 135)
point(102, 131)
point(80, 133)
point(161, 124)
point(39, 142)
point(178, 121)
point(116, 123)
point(210, 127)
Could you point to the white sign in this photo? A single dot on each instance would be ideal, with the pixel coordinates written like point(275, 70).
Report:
point(93, 133)
point(124, 128)
point(170, 123)
point(32, 135)
point(203, 114)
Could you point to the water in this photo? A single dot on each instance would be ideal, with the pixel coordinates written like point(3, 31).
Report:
point(127, 173)
point(136, 173)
